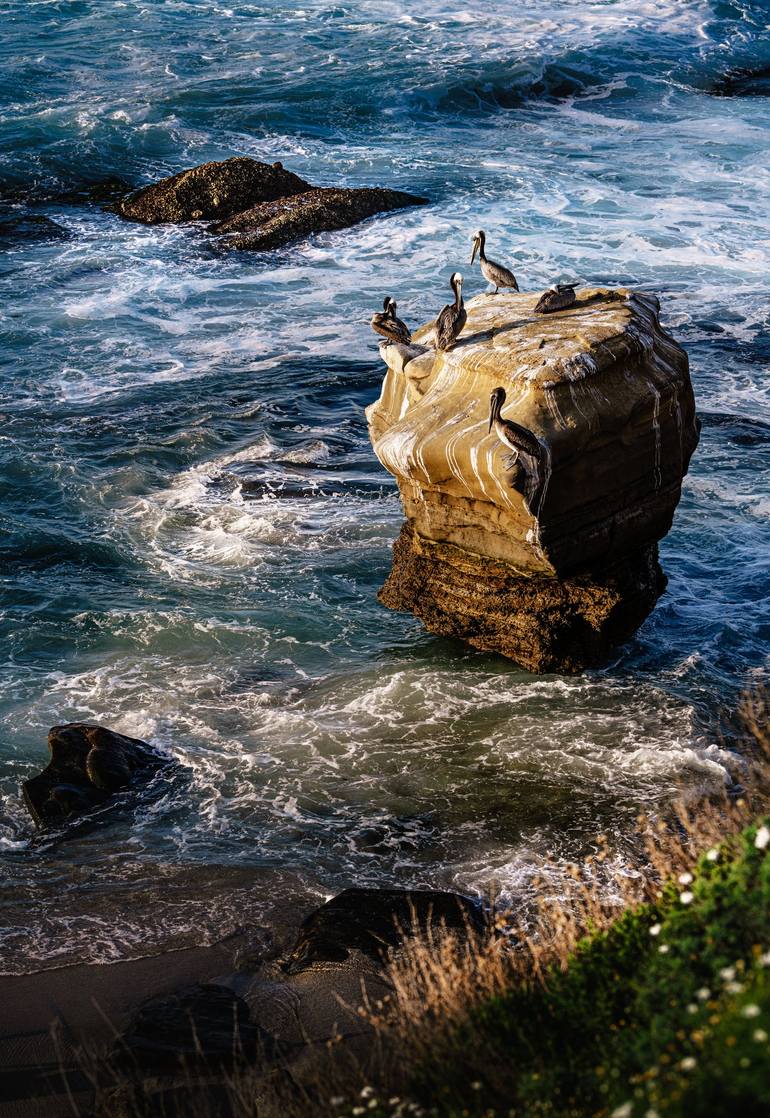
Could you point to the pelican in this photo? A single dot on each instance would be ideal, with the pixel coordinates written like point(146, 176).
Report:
point(517, 438)
point(452, 317)
point(497, 274)
point(384, 322)
point(556, 298)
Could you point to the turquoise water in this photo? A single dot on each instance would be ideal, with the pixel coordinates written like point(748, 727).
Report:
point(193, 524)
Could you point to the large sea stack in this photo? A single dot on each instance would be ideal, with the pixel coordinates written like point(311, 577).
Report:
point(550, 561)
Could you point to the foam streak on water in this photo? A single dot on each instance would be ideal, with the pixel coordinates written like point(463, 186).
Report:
point(193, 524)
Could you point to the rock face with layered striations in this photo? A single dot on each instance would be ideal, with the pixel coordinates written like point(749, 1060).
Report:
point(549, 558)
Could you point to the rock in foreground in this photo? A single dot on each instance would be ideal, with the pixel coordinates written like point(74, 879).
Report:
point(551, 560)
point(257, 205)
point(88, 765)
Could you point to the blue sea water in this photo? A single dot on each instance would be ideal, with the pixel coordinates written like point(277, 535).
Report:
point(194, 526)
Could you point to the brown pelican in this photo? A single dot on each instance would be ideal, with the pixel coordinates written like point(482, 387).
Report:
point(384, 322)
point(515, 437)
point(556, 298)
point(452, 317)
point(492, 273)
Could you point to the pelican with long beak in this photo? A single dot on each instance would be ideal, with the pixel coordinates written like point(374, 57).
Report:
point(517, 438)
point(452, 317)
point(556, 298)
point(386, 323)
point(496, 274)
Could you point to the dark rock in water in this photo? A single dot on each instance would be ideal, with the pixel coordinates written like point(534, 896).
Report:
point(256, 205)
point(204, 1023)
point(88, 764)
point(30, 227)
point(272, 224)
point(743, 82)
point(213, 191)
point(373, 921)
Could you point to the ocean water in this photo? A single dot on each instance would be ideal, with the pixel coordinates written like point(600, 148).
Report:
point(194, 526)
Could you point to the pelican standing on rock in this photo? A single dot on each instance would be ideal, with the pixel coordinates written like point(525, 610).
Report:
point(497, 274)
point(384, 322)
point(556, 298)
point(515, 437)
point(452, 317)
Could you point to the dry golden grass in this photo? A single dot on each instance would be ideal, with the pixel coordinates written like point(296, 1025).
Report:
point(438, 982)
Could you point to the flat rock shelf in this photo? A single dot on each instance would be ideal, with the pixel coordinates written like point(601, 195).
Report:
point(551, 558)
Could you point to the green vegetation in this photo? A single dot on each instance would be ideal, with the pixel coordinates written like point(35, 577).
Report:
point(667, 1012)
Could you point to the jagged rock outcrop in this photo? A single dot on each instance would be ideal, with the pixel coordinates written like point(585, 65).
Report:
point(550, 559)
point(210, 192)
point(319, 210)
point(88, 765)
point(257, 205)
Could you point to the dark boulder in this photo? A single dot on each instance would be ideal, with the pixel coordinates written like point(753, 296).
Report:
point(213, 191)
point(206, 1023)
point(272, 224)
point(88, 764)
point(374, 921)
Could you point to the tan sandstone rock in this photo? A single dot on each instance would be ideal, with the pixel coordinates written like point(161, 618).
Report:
point(550, 560)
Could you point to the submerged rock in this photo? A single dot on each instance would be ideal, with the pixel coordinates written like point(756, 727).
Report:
point(212, 191)
point(319, 210)
point(88, 765)
point(257, 205)
point(549, 558)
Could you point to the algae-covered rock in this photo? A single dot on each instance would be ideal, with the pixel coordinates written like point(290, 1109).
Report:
point(606, 392)
point(212, 191)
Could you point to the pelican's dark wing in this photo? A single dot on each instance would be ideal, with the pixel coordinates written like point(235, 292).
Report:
point(559, 300)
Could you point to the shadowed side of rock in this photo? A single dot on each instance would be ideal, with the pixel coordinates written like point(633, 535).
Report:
point(544, 624)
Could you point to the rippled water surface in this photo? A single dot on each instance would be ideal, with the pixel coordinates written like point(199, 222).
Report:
point(194, 527)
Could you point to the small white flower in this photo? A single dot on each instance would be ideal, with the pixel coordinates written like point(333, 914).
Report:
point(727, 974)
point(623, 1111)
point(685, 878)
point(373, 1102)
point(712, 855)
point(476, 1085)
point(367, 1092)
point(703, 994)
point(764, 960)
point(686, 898)
point(751, 1011)
point(337, 1100)
point(733, 987)
point(688, 1063)
point(651, 1113)
point(763, 838)
point(655, 930)
point(358, 1110)
point(664, 949)
point(760, 1036)
point(692, 1008)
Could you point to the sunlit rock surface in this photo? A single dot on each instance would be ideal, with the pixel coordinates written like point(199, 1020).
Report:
point(550, 561)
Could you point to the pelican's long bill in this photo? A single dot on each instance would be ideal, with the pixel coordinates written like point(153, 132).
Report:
point(475, 247)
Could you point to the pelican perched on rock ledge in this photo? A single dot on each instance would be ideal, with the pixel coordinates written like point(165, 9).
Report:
point(556, 298)
point(494, 273)
point(386, 323)
point(452, 317)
